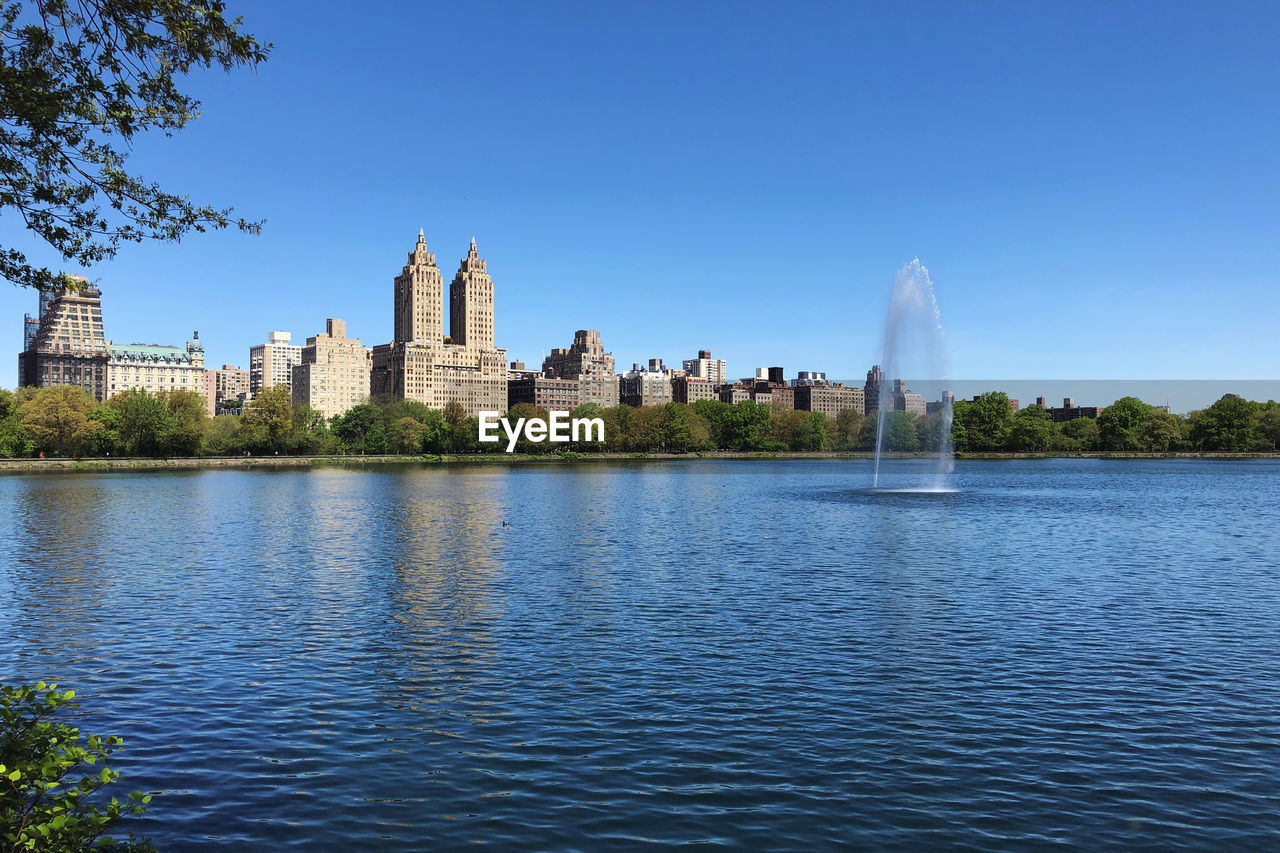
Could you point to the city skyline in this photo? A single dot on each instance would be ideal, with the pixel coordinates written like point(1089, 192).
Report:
point(1078, 220)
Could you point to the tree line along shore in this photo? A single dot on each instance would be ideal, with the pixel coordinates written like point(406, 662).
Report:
point(65, 422)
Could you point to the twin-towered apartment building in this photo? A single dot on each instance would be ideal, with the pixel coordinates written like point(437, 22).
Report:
point(66, 345)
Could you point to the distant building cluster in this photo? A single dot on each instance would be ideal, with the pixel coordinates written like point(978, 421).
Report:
point(65, 344)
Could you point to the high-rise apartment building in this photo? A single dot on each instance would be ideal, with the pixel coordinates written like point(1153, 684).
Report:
point(421, 363)
point(690, 389)
point(871, 391)
point(587, 362)
point(227, 383)
point(903, 400)
point(650, 386)
point(334, 373)
point(829, 399)
point(272, 363)
point(705, 367)
point(65, 344)
point(155, 367)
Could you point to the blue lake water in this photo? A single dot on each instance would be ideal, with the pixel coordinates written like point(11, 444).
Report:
point(746, 654)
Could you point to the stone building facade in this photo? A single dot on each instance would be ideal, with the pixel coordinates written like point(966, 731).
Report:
point(421, 363)
point(155, 367)
point(831, 400)
point(690, 389)
point(545, 392)
point(334, 373)
point(645, 386)
point(587, 362)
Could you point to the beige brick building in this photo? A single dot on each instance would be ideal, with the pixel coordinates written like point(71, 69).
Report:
point(334, 373)
point(421, 363)
point(691, 389)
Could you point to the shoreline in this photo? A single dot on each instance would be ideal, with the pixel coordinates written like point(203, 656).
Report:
point(53, 466)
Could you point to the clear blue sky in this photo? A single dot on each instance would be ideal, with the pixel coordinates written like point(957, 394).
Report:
point(1093, 185)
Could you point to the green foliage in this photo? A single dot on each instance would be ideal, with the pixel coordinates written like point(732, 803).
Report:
point(267, 423)
point(900, 433)
point(362, 429)
point(983, 424)
point(58, 420)
point(848, 434)
point(45, 801)
point(1121, 424)
point(1032, 429)
point(1079, 434)
point(65, 421)
point(1231, 424)
point(811, 431)
point(80, 81)
point(143, 423)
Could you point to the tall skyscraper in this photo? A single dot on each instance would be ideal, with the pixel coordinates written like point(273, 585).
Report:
point(471, 303)
point(421, 363)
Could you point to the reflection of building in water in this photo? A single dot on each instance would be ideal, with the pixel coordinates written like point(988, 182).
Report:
point(443, 529)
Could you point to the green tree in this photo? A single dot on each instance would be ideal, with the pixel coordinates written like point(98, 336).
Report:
point(848, 430)
point(267, 422)
point(780, 433)
point(1229, 425)
point(811, 432)
point(80, 81)
point(43, 805)
point(461, 436)
point(58, 419)
point(1161, 432)
point(1269, 426)
point(105, 441)
point(985, 423)
point(14, 438)
point(1120, 424)
point(1032, 429)
point(189, 414)
point(360, 429)
point(435, 434)
point(144, 423)
point(673, 428)
point(929, 431)
point(221, 436)
point(900, 433)
point(745, 425)
point(717, 415)
point(1080, 434)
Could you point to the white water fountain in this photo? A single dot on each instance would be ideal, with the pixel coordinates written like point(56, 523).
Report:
point(915, 344)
